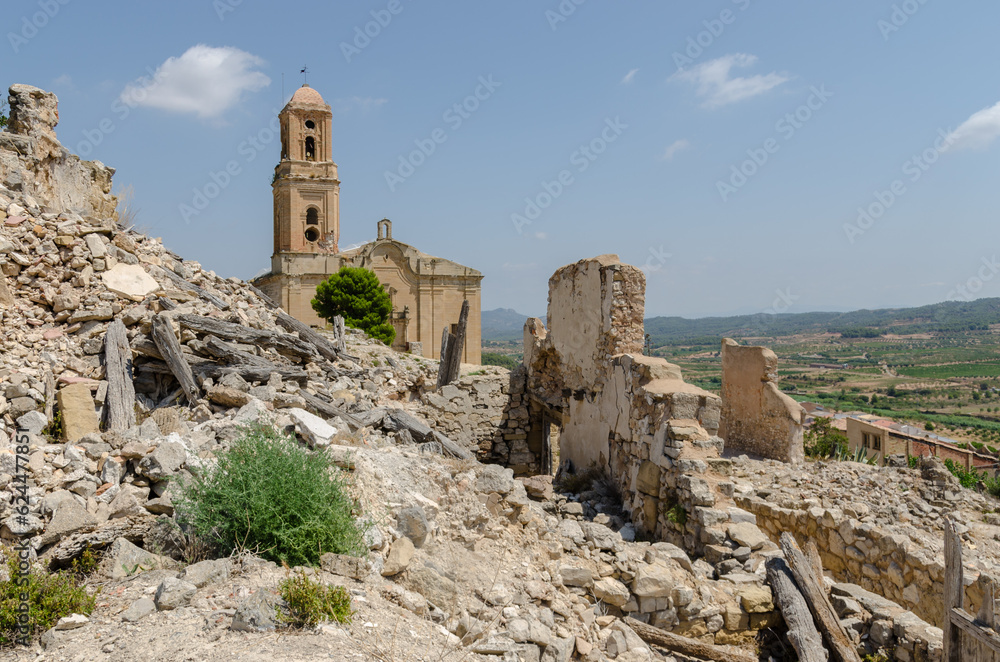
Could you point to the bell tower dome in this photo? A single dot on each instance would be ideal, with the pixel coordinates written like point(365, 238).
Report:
point(306, 188)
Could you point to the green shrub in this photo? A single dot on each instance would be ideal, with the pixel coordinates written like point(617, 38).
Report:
point(912, 461)
point(822, 440)
point(49, 598)
point(677, 514)
point(272, 496)
point(356, 295)
point(310, 603)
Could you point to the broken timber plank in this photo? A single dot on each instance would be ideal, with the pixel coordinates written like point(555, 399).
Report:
point(324, 346)
point(686, 646)
point(802, 632)
point(120, 403)
point(446, 340)
point(191, 287)
point(166, 342)
point(285, 344)
point(457, 346)
point(815, 596)
point(954, 591)
point(330, 411)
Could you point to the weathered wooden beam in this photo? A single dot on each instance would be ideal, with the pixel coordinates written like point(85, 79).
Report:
point(815, 596)
point(443, 358)
point(457, 346)
point(339, 334)
point(191, 287)
point(285, 344)
point(326, 409)
point(450, 447)
point(986, 616)
point(802, 632)
point(119, 406)
point(322, 345)
point(963, 623)
point(685, 646)
point(954, 592)
point(268, 301)
point(166, 342)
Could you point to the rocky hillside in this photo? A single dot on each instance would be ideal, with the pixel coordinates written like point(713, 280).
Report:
point(464, 561)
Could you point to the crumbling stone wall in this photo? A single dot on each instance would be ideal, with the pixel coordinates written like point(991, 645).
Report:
point(756, 416)
point(630, 416)
point(34, 163)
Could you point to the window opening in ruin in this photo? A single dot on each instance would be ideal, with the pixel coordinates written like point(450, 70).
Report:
point(310, 124)
point(310, 149)
point(312, 216)
point(312, 235)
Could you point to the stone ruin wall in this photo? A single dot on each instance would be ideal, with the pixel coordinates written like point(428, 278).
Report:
point(884, 562)
point(630, 416)
point(34, 162)
point(758, 418)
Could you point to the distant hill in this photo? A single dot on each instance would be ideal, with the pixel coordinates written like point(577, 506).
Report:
point(503, 324)
point(947, 317)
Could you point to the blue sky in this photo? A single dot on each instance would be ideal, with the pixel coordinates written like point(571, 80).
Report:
point(728, 147)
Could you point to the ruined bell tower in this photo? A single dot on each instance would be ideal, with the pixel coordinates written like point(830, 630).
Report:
point(306, 188)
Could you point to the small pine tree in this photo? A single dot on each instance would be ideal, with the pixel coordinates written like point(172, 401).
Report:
point(356, 295)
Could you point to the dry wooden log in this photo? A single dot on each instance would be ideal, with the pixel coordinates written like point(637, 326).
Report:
point(268, 301)
point(166, 303)
point(191, 287)
point(446, 340)
point(329, 351)
point(685, 646)
point(450, 447)
point(397, 419)
point(339, 334)
point(324, 408)
point(812, 553)
point(146, 347)
point(253, 373)
point(133, 529)
point(802, 632)
point(954, 591)
point(119, 406)
point(166, 342)
point(285, 344)
point(457, 346)
point(815, 596)
point(50, 394)
point(230, 355)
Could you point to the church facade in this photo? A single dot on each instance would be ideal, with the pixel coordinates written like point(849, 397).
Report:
point(426, 291)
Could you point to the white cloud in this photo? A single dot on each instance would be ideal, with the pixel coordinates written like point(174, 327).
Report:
point(718, 89)
point(676, 147)
point(363, 104)
point(64, 81)
point(541, 236)
point(978, 131)
point(206, 81)
point(629, 77)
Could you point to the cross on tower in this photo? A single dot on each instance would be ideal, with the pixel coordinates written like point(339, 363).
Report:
point(305, 74)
